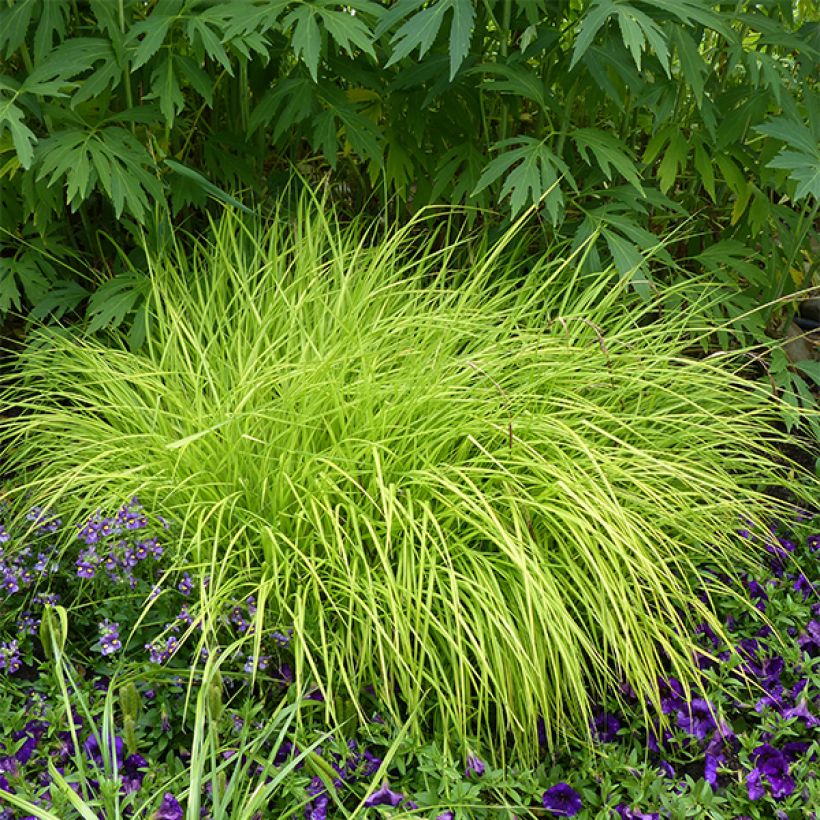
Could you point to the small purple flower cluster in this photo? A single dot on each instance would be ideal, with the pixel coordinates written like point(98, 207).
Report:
point(10, 657)
point(107, 550)
point(160, 652)
point(18, 571)
point(237, 619)
point(109, 637)
point(113, 549)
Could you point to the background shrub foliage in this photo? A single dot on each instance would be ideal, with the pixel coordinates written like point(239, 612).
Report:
point(618, 117)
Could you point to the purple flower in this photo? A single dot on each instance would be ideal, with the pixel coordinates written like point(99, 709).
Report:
point(562, 800)
point(795, 749)
point(109, 637)
point(813, 542)
point(809, 641)
point(671, 693)
point(27, 624)
point(707, 631)
point(371, 763)
point(169, 809)
point(132, 773)
point(804, 586)
point(384, 797)
point(281, 638)
point(158, 653)
point(715, 752)
point(150, 545)
point(264, 662)
point(802, 711)
point(45, 519)
point(666, 767)
point(758, 594)
point(604, 726)
point(186, 584)
point(30, 734)
point(625, 813)
point(10, 657)
point(710, 767)
point(697, 718)
point(85, 570)
point(94, 752)
point(4, 536)
point(770, 669)
point(317, 809)
point(474, 766)
point(772, 764)
point(447, 815)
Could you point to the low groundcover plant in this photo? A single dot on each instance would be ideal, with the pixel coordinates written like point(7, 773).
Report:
point(487, 498)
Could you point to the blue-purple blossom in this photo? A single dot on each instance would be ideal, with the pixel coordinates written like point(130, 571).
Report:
point(667, 768)
point(152, 546)
point(604, 726)
point(801, 711)
point(46, 521)
point(169, 809)
point(262, 665)
point(804, 586)
point(109, 637)
point(723, 740)
point(772, 764)
point(10, 661)
point(562, 800)
point(809, 641)
point(371, 763)
point(474, 766)
point(758, 594)
point(159, 653)
point(697, 718)
point(27, 624)
point(133, 772)
point(625, 813)
point(283, 639)
point(384, 797)
point(671, 694)
point(92, 748)
point(317, 808)
point(186, 584)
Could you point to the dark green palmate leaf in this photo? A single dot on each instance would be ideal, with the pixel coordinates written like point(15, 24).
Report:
point(109, 157)
point(531, 173)
point(801, 156)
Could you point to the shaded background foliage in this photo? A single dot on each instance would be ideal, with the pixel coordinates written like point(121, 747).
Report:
point(119, 118)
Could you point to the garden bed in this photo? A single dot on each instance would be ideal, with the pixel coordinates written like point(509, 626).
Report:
point(743, 744)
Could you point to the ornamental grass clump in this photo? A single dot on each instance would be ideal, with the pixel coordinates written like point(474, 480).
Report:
point(488, 496)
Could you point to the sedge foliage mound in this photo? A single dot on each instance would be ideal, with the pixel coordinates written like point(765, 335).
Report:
point(489, 497)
